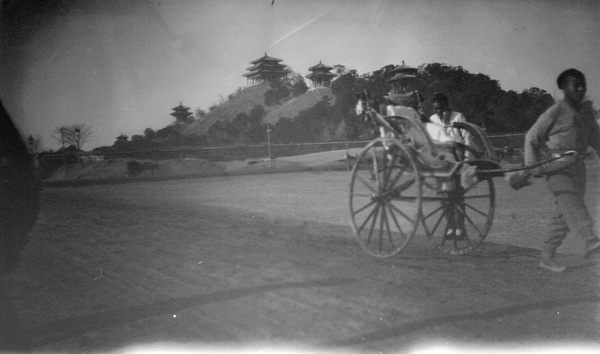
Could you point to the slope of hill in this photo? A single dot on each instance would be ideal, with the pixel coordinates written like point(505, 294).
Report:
point(251, 96)
point(242, 103)
point(292, 107)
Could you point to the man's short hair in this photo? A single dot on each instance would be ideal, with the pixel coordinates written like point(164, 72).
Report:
point(562, 78)
point(440, 98)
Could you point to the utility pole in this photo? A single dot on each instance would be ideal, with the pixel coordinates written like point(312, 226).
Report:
point(34, 159)
point(269, 142)
point(77, 137)
point(62, 140)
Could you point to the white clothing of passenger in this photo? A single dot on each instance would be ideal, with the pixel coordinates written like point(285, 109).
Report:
point(436, 132)
point(454, 133)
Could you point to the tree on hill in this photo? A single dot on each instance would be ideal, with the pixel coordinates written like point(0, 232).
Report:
point(276, 94)
point(222, 133)
point(344, 88)
point(477, 96)
point(149, 134)
point(249, 126)
point(199, 114)
point(74, 134)
point(317, 123)
point(299, 88)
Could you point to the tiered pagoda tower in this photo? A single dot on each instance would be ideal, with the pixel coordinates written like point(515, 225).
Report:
point(404, 76)
point(320, 75)
point(122, 137)
point(266, 68)
point(181, 114)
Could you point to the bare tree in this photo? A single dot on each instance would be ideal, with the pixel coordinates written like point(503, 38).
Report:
point(74, 134)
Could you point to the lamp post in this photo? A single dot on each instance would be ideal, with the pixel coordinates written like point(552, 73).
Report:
point(269, 142)
point(34, 159)
point(30, 141)
point(77, 132)
point(62, 140)
point(77, 137)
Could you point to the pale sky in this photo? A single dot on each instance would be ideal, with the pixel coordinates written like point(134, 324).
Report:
point(121, 66)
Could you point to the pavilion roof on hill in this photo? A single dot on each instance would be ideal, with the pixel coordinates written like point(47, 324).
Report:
point(265, 71)
point(405, 69)
point(320, 67)
point(266, 67)
point(401, 76)
point(180, 108)
point(265, 58)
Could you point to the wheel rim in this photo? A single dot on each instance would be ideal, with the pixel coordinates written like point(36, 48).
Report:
point(385, 198)
point(447, 206)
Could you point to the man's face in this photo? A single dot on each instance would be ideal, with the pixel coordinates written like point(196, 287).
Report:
point(439, 108)
point(574, 89)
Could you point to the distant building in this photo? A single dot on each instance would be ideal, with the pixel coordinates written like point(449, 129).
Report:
point(404, 76)
point(266, 68)
point(181, 114)
point(122, 137)
point(320, 75)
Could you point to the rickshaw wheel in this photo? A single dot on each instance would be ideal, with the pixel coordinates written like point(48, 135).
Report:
point(447, 206)
point(385, 197)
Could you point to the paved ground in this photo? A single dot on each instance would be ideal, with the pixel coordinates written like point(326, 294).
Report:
point(269, 261)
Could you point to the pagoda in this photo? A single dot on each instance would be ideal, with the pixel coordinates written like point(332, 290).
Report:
point(320, 75)
point(122, 138)
point(181, 114)
point(404, 74)
point(266, 68)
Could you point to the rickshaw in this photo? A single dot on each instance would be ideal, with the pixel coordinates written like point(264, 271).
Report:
point(404, 182)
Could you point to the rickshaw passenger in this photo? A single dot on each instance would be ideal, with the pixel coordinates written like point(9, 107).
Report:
point(445, 116)
point(408, 106)
point(445, 145)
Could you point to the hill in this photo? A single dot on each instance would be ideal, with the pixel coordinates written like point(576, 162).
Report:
point(245, 100)
point(292, 107)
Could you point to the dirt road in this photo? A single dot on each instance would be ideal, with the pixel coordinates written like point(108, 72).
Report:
point(269, 260)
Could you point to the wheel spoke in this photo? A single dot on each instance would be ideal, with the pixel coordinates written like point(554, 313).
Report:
point(376, 210)
point(470, 220)
point(476, 210)
point(481, 196)
point(438, 222)
point(441, 207)
point(364, 207)
point(365, 183)
point(387, 225)
point(381, 229)
point(376, 169)
point(387, 172)
point(396, 221)
point(401, 212)
point(362, 195)
point(397, 177)
point(367, 219)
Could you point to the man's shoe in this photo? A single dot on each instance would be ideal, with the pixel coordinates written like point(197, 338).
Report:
point(552, 266)
point(460, 235)
point(593, 251)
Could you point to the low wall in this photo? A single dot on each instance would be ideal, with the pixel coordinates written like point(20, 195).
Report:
point(229, 153)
